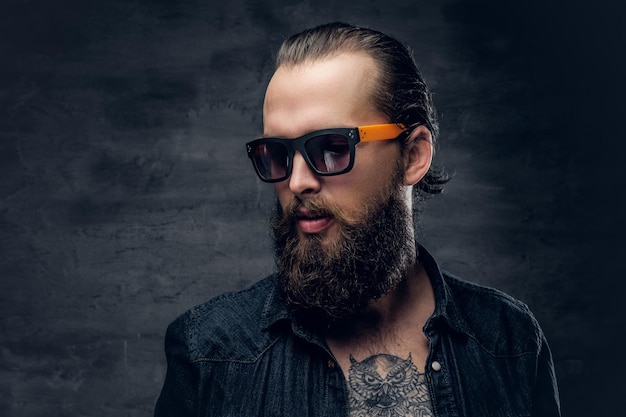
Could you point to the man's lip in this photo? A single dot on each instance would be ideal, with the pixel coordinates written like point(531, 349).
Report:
point(312, 223)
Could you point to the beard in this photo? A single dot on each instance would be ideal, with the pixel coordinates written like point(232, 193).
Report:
point(327, 282)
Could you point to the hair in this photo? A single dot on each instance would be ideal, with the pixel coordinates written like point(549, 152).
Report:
point(400, 93)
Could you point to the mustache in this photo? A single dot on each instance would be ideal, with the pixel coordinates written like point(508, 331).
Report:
point(313, 207)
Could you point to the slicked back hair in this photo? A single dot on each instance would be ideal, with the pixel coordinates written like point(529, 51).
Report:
point(400, 93)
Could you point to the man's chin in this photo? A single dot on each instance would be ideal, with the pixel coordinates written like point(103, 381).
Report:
point(326, 240)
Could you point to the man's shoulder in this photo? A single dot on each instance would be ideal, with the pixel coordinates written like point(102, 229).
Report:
point(235, 305)
point(227, 327)
point(472, 294)
point(497, 320)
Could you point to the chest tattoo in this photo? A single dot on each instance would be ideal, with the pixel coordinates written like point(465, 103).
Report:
point(387, 386)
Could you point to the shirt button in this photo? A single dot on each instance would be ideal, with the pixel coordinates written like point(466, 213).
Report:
point(436, 366)
point(331, 364)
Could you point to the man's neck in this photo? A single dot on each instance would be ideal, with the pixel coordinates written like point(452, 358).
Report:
point(392, 324)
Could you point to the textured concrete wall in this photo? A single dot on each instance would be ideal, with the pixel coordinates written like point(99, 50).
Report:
point(126, 196)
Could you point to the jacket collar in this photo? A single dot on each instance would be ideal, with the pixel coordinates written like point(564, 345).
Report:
point(446, 311)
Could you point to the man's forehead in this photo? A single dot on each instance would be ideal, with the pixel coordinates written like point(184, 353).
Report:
point(333, 92)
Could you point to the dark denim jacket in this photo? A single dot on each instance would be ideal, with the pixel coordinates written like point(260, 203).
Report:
point(241, 355)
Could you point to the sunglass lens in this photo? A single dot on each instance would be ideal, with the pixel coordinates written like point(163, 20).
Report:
point(329, 153)
point(270, 160)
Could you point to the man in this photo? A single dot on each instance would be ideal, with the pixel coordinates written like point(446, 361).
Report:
point(358, 320)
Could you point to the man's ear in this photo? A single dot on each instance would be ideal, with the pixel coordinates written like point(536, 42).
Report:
point(418, 155)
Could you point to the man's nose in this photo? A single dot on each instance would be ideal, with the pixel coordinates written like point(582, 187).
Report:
point(302, 180)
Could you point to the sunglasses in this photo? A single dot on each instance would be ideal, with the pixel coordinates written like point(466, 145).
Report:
point(327, 152)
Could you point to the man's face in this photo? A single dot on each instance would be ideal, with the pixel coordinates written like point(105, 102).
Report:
point(348, 224)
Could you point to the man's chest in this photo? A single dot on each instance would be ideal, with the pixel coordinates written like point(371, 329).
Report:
point(387, 385)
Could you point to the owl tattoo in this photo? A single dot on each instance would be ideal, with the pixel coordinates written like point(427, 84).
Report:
point(387, 386)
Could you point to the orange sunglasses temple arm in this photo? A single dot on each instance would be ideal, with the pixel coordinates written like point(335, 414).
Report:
point(380, 132)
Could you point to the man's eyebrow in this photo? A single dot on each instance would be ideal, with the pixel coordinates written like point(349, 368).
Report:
point(308, 132)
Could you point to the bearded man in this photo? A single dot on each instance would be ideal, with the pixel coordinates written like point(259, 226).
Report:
point(358, 319)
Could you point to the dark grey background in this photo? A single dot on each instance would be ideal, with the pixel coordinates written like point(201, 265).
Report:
point(126, 196)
